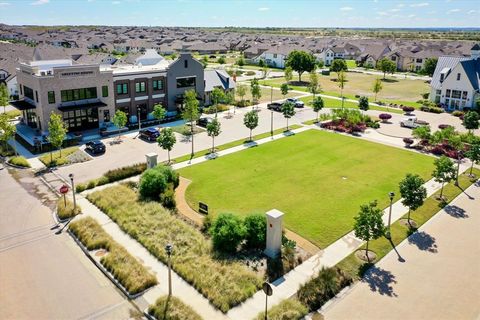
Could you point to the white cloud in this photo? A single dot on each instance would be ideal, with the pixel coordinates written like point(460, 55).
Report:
point(421, 4)
point(400, 5)
point(411, 16)
point(471, 11)
point(394, 10)
point(263, 9)
point(453, 11)
point(382, 13)
point(3, 4)
point(116, 2)
point(346, 9)
point(39, 2)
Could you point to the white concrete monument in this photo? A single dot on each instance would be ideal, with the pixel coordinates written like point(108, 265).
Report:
point(274, 233)
point(151, 160)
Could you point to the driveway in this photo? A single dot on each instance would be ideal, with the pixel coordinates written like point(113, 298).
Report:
point(438, 279)
point(44, 275)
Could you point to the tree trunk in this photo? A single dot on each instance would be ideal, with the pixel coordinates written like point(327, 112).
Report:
point(366, 252)
point(300, 77)
point(213, 144)
point(375, 96)
point(191, 131)
point(441, 192)
point(318, 115)
point(408, 216)
point(51, 155)
point(471, 169)
point(287, 124)
point(60, 150)
point(250, 135)
point(168, 154)
point(384, 75)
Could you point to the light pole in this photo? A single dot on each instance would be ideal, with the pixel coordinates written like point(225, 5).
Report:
point(138, 115)
point(388, 234)
point(459, 157)
point(271, 112)
point(73, 191)
point(168, 249)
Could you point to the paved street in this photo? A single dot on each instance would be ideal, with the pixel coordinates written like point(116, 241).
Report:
point(44, 275)
point(439, 279)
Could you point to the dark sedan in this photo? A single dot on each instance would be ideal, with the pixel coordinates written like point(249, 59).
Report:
point(95, 147)
point(150, 134)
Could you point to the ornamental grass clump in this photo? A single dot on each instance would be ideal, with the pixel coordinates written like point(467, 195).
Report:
point(172, 308)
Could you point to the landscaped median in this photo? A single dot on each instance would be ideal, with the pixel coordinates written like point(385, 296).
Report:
point(63, 157)
point(19, 161)
point(172, 308)
point(65, 209)
point(224, 282)
point(127, 270)
point(336, 103)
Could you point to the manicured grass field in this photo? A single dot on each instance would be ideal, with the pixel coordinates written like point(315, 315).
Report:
point(318, 179)
point(334, 103)
point(267, 94)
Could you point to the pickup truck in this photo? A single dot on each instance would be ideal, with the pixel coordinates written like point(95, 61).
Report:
point(275, 106)
point(412, 122)
point(297, 103)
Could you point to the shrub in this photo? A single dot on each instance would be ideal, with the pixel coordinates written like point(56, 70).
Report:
point(443, 126)
point(457, 113)
point(322, 288)
point(65, 212)
point(431, 109)
point(211, 109)
point(288, 309)
point(227, 232)
point(408, 141)
point(385, 117)
point(152, 184)
point(250, 73)
point(19, 161)
point(91, 184)
point(6, 150)
point(408, 109)
point(167, 199)
point(172, 308)
point(256, 230)
point(80, 187)
point(125, 172)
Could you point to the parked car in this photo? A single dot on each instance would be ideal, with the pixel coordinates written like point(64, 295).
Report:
point(150, 134)
point(412, 122)
point(275, 106)
point(95, 147)
point(297, 103)
point(204, 121)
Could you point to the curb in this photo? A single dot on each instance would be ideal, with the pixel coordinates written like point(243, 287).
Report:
point(105, 271)
point(15, 166)
point(147, 315)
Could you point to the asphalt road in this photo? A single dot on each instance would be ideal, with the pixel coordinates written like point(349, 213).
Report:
point(44, 275)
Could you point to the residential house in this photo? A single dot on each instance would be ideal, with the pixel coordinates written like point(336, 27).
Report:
point(217, 79)
point(275, 57)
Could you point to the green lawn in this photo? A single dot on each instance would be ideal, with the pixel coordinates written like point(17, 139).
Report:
point(318, 179)
point(351, 64)
point(267, 94)
point(334, 103)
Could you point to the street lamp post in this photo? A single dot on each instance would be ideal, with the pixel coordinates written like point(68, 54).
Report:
point(168, 249)
point(138, 115)
point(73, 191)
point(391, 195)
point(271, 112)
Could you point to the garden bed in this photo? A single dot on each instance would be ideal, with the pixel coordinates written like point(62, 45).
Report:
point(127, 270)
point(65, 212)
point(224, 282)
point(171, 308)
point(58, 158)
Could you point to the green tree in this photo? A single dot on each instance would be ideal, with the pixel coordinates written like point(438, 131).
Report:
point(7, 130)
point(363, 103)
point(221, 60)
point(255, 90)
point(166, 140)
point(190, 113)
point(241, 91)
point(429, 66)
point(474, 154)
point(217, 95)
point(377, 87)
point(256, 230)
point(250, 120)
point(213, 130)
point(261, 63)
point(265, 72)
point(301, 61)
point(369, 224)
point(471, 120)
point(386, 66)
point(288, 74)
point(284, 88)
point(314, 85)
point(227, 232)
point(318, 105)
point(413, 192)
point(338, 65)
point(119, 120)
point(455, 141)
point(288, 110)
point(57, 132)
point(159, 112)
point(341, 79)
point(4, 96)
point(320, 63)
point(241, 61)
point(444, 172)
point(423, 133)
point(204, 62)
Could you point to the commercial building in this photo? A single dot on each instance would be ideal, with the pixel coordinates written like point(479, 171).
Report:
point(87, 96)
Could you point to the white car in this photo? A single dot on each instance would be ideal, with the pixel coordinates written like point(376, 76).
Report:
point(412, 122)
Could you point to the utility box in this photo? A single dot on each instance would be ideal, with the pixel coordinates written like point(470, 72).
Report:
point(274, 233)
point(151, 160)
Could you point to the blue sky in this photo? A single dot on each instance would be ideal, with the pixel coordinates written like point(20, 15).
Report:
point(280, 13)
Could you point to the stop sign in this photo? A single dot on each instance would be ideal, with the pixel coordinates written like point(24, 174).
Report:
point(63, 189)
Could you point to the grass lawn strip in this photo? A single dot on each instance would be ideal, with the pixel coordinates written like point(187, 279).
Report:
point(133, 276)
point(232, 144)
point(318, 179)
point(19, 161)
point(223, 282)
point(354, 267)
point(288, 309)
point(172, 308)
point(55, 159)
point(335, 103)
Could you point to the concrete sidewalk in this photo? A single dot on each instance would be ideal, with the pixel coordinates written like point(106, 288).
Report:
point(439, 277)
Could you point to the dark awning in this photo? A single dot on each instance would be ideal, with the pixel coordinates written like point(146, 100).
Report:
point(79, 106)
point(22, 105)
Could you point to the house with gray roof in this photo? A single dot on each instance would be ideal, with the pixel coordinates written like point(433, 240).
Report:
point(217, 79)
point(456, 81)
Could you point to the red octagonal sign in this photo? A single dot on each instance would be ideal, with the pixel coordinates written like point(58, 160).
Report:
point(63, 189)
